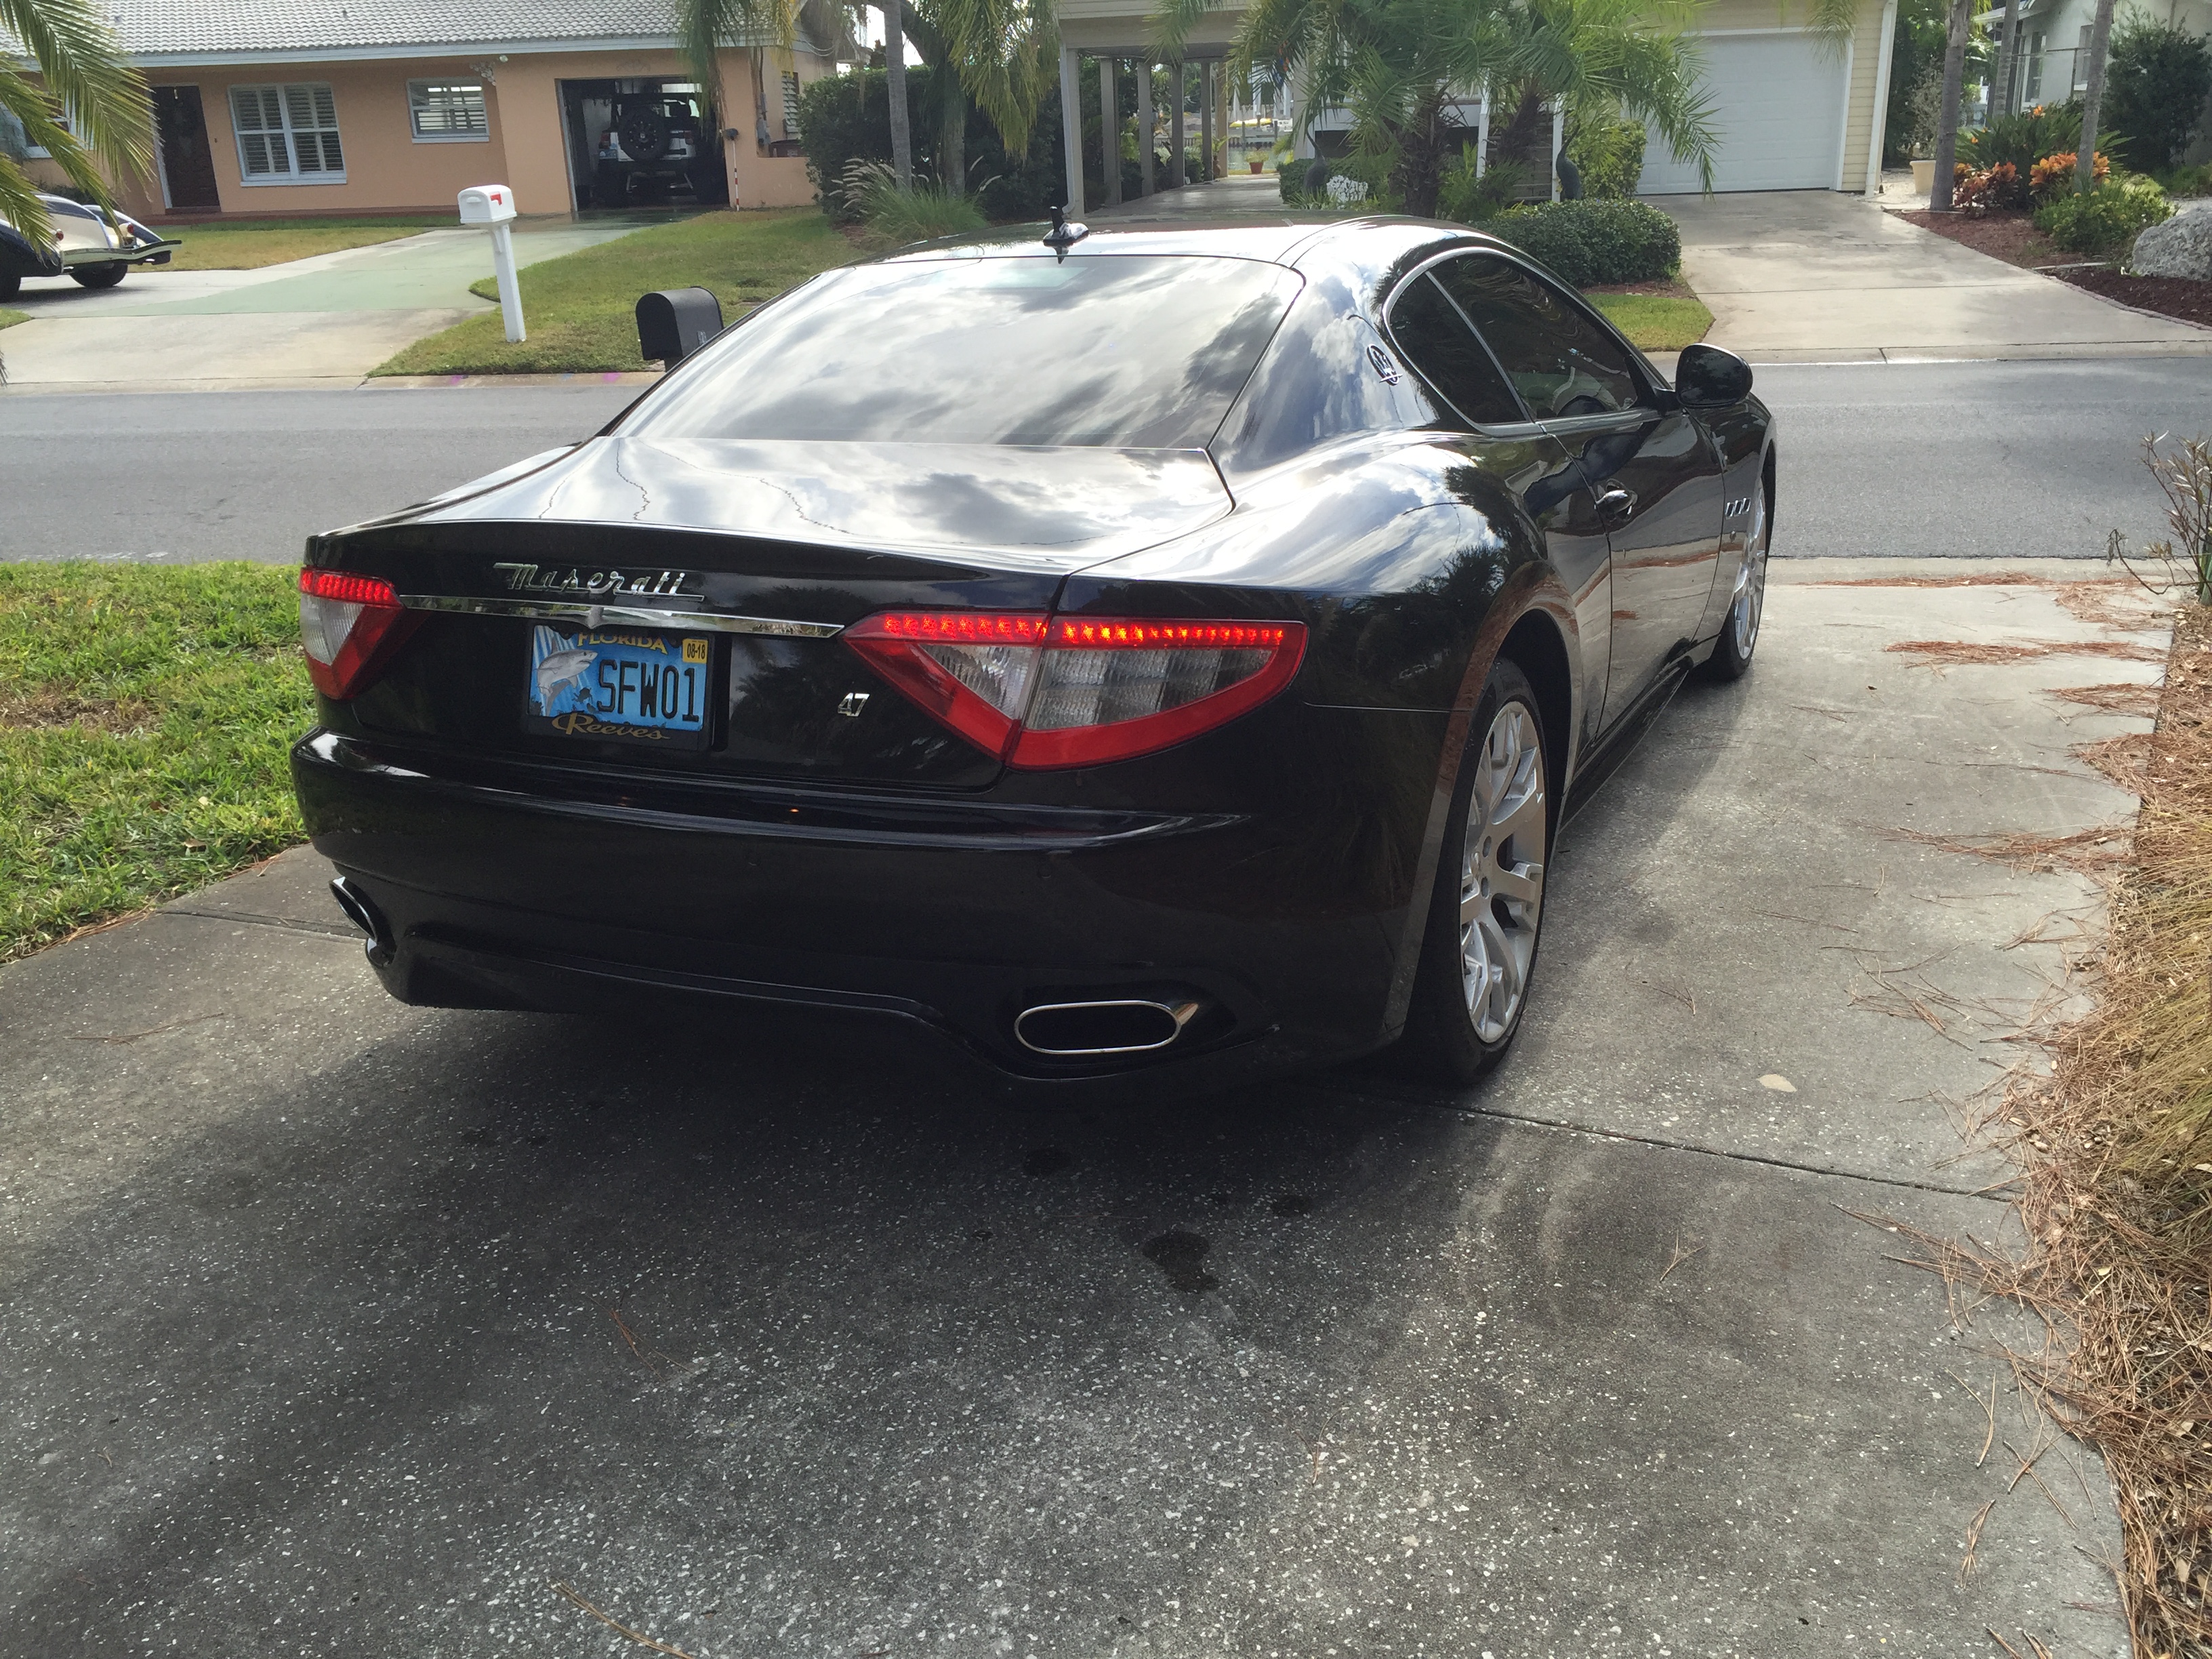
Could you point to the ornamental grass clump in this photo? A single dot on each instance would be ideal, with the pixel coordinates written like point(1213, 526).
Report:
point(895, 216)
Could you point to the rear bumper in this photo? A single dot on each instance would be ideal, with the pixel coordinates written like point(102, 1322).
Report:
point(952, 915)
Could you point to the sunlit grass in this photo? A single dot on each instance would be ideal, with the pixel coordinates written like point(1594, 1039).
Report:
point(144, 716)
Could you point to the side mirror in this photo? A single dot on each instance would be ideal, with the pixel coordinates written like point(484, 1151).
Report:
point(676, 322)
point(1705, 377)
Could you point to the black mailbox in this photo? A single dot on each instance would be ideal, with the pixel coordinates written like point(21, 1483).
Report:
point(676, 322)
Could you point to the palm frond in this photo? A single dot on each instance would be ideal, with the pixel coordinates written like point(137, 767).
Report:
point(1173, 21)
point(703, 27)
point(1831, 23)
point(84, 71)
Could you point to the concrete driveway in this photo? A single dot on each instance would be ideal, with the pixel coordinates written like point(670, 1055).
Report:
point(321, 321)
point(1818, 277)
point(342, 1328)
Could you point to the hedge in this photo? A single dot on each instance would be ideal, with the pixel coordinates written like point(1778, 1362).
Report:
point(1590, 242)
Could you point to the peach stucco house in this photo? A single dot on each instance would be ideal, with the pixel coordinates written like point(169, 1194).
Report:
point(267, 107)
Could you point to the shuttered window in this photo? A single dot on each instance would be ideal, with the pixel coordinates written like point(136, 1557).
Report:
point(287, 135)
point(790, 104)
point(447, 112)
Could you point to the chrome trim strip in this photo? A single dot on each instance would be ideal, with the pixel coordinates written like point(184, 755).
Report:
point(713, 621)
point(1179, 1012)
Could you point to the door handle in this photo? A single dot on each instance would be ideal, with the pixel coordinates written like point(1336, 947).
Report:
point(1614, 506)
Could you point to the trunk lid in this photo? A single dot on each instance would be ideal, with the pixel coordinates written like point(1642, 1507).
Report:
point(766, 550)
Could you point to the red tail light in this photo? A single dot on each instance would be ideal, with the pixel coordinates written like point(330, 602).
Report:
point(1041, 692)
point(350, 624)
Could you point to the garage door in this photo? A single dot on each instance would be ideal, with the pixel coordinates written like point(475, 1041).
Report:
point(1778, 110)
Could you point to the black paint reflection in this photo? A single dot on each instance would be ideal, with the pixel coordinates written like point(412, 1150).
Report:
point(1132, 352)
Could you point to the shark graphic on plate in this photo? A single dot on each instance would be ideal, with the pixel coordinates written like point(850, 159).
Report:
point(626, 685)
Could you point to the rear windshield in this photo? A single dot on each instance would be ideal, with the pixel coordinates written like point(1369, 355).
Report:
point(1120, 351)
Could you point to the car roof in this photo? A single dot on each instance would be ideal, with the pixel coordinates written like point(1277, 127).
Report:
point(1374, 243)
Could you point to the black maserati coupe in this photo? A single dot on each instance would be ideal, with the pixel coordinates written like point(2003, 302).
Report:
point(1130, 651)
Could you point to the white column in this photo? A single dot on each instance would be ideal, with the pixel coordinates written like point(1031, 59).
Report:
point(1881, 96)
point(1146, 182)
point(1109, 131)
point(1178, 163)
point(1071, 128)
point(1560, 138)
point(1482, 135)
point(1205, 114)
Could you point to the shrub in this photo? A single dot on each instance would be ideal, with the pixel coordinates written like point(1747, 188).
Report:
point(1999, 187)
point(2023, 139)
point(1611, 155)
point(847, 118)
point(2099, 219)
point(923, 214)
point(1303, 183)
point(1471, 200)
point(1588, 242)
point(2155, 89)
point(2054, 175)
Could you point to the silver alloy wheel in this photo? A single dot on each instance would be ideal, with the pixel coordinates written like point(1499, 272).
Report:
point(1750, 602)
point(1501, 889)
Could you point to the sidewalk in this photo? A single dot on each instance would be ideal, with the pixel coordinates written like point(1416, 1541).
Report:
point(321, 321)
point(1820, 277)
point(356, 1325)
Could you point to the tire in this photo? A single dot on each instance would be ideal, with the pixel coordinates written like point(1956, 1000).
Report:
point(644, 133)
point(1485, 913)
point(106, 275)
point(1731, 658)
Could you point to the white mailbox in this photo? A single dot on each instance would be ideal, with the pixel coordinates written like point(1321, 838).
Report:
point(487, 204)
point(493, 207)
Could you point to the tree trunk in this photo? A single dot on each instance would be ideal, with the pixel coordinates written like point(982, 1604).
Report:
point(952, 130)
point(1947, 126)
point(894, 65)
point(1517, 140)
point(2008, 66)
point(2093, 95)
point(1422, 152)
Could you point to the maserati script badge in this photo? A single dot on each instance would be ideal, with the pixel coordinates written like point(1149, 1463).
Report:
point(598, 583)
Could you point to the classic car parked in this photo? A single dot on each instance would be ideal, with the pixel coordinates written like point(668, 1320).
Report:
point(1149, 649)
point(83, 246)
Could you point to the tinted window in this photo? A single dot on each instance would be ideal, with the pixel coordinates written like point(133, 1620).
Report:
point(1558, 360)
point(1127, 352)
point(1438, 342)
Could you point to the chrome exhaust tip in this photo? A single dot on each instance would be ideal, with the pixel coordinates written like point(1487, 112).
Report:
point(1086, 1030)
point(364, 915)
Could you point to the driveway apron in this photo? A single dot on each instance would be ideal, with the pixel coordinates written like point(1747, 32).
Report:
point(1819, 276)
point(320, 321)
point(340, 1327)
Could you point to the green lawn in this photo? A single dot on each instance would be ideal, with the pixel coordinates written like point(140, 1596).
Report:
point(248, 244)
point(9, 318)
point(1655, 322)
point(144, 716)
point(581, 309)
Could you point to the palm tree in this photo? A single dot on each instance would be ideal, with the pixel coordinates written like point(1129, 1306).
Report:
point(993, 51)
point(80, 70)
point(1605, 58)
point(1401, 65)
point(1397, 63)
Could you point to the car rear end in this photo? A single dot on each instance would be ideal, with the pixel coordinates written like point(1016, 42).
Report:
point(853, 722)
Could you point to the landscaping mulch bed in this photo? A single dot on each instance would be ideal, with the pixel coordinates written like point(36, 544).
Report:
point(2011, 237)
point(2169, 297)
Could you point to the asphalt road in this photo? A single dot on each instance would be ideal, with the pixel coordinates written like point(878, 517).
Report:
point(2004, 460)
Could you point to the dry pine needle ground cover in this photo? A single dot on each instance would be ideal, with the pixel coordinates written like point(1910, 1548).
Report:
point(2116, 1144)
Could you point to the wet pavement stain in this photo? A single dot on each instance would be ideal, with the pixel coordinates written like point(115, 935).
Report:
point(1046, 1161)
point(1289, 1204)
point(1182, 1257)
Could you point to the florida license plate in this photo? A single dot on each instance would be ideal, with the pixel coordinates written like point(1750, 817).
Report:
point(627, 684)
